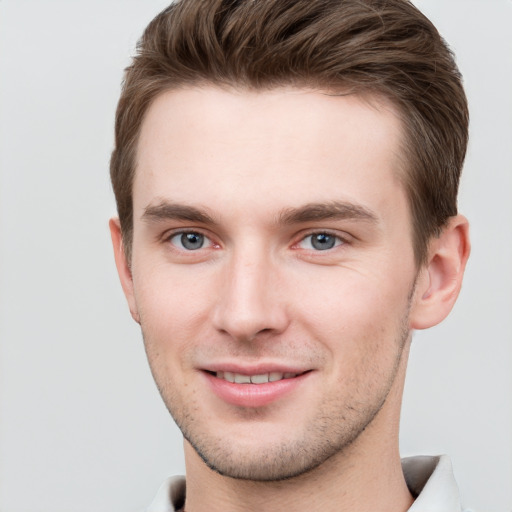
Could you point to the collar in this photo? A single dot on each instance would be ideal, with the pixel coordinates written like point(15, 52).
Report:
point(430, 479)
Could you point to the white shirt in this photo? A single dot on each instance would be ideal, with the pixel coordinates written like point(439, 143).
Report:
point(429, 478)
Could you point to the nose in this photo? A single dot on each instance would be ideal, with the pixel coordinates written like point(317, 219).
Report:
point(251, 301)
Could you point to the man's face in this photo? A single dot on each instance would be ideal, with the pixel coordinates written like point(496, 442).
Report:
point(272, 244)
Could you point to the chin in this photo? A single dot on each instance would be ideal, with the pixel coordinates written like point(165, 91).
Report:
point(275, 460)
point(271, 464)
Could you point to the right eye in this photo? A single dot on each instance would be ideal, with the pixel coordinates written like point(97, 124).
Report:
point(190, 241)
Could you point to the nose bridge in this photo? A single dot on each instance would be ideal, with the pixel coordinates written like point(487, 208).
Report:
point(249, 302)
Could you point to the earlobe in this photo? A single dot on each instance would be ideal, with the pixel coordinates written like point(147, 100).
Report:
point(439, 282)
point(123, 266)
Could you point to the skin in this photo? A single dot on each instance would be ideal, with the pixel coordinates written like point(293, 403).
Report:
point(240, 171)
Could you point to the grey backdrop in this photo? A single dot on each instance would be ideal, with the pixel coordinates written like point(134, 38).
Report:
point(81, 425)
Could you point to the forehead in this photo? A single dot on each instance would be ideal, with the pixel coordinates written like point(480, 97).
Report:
point(221, 147)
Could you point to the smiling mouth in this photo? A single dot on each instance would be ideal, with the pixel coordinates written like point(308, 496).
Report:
point(255, 387)
point(262, 378)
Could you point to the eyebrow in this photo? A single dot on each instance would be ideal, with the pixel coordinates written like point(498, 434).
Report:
point(336, 210)
point(311, 212)
point(175, 211)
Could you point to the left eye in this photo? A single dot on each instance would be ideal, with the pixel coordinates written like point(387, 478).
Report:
point(320, 241)
point(190, 241)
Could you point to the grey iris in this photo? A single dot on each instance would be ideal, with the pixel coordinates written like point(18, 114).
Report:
point(192, 241)
point(322, 241)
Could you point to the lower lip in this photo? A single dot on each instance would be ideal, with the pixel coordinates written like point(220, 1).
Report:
point(254, 395)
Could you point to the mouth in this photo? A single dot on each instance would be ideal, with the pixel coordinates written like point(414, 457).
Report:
point(257, 388)
point(261, 378)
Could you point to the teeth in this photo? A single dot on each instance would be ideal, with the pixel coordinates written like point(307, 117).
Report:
point(261, 378)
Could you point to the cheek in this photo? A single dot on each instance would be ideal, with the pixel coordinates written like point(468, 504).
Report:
point(172, 296)
point(359, 314)
point(173, 310)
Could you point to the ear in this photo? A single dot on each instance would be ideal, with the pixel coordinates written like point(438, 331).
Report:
point(123, 266)
point(440, 280)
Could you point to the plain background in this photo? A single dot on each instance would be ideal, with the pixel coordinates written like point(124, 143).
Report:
point(81, 424)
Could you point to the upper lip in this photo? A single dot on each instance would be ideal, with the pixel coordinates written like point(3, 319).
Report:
point(254, 369)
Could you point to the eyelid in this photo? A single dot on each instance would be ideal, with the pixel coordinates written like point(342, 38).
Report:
point(170, 234)
point(344, 238)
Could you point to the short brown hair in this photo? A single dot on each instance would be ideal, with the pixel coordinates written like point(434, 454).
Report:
point(382, 47)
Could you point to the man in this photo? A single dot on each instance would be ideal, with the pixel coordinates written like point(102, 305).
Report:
point(286, 176)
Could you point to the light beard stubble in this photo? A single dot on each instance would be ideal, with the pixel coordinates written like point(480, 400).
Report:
point(326, 437)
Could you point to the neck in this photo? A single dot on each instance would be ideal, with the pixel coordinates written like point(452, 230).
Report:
point(338, 485)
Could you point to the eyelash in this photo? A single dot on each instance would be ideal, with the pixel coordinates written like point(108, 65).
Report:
point(337, 240)
point(206, 239)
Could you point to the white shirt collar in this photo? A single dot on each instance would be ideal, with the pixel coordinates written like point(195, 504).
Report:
point(431, 480)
